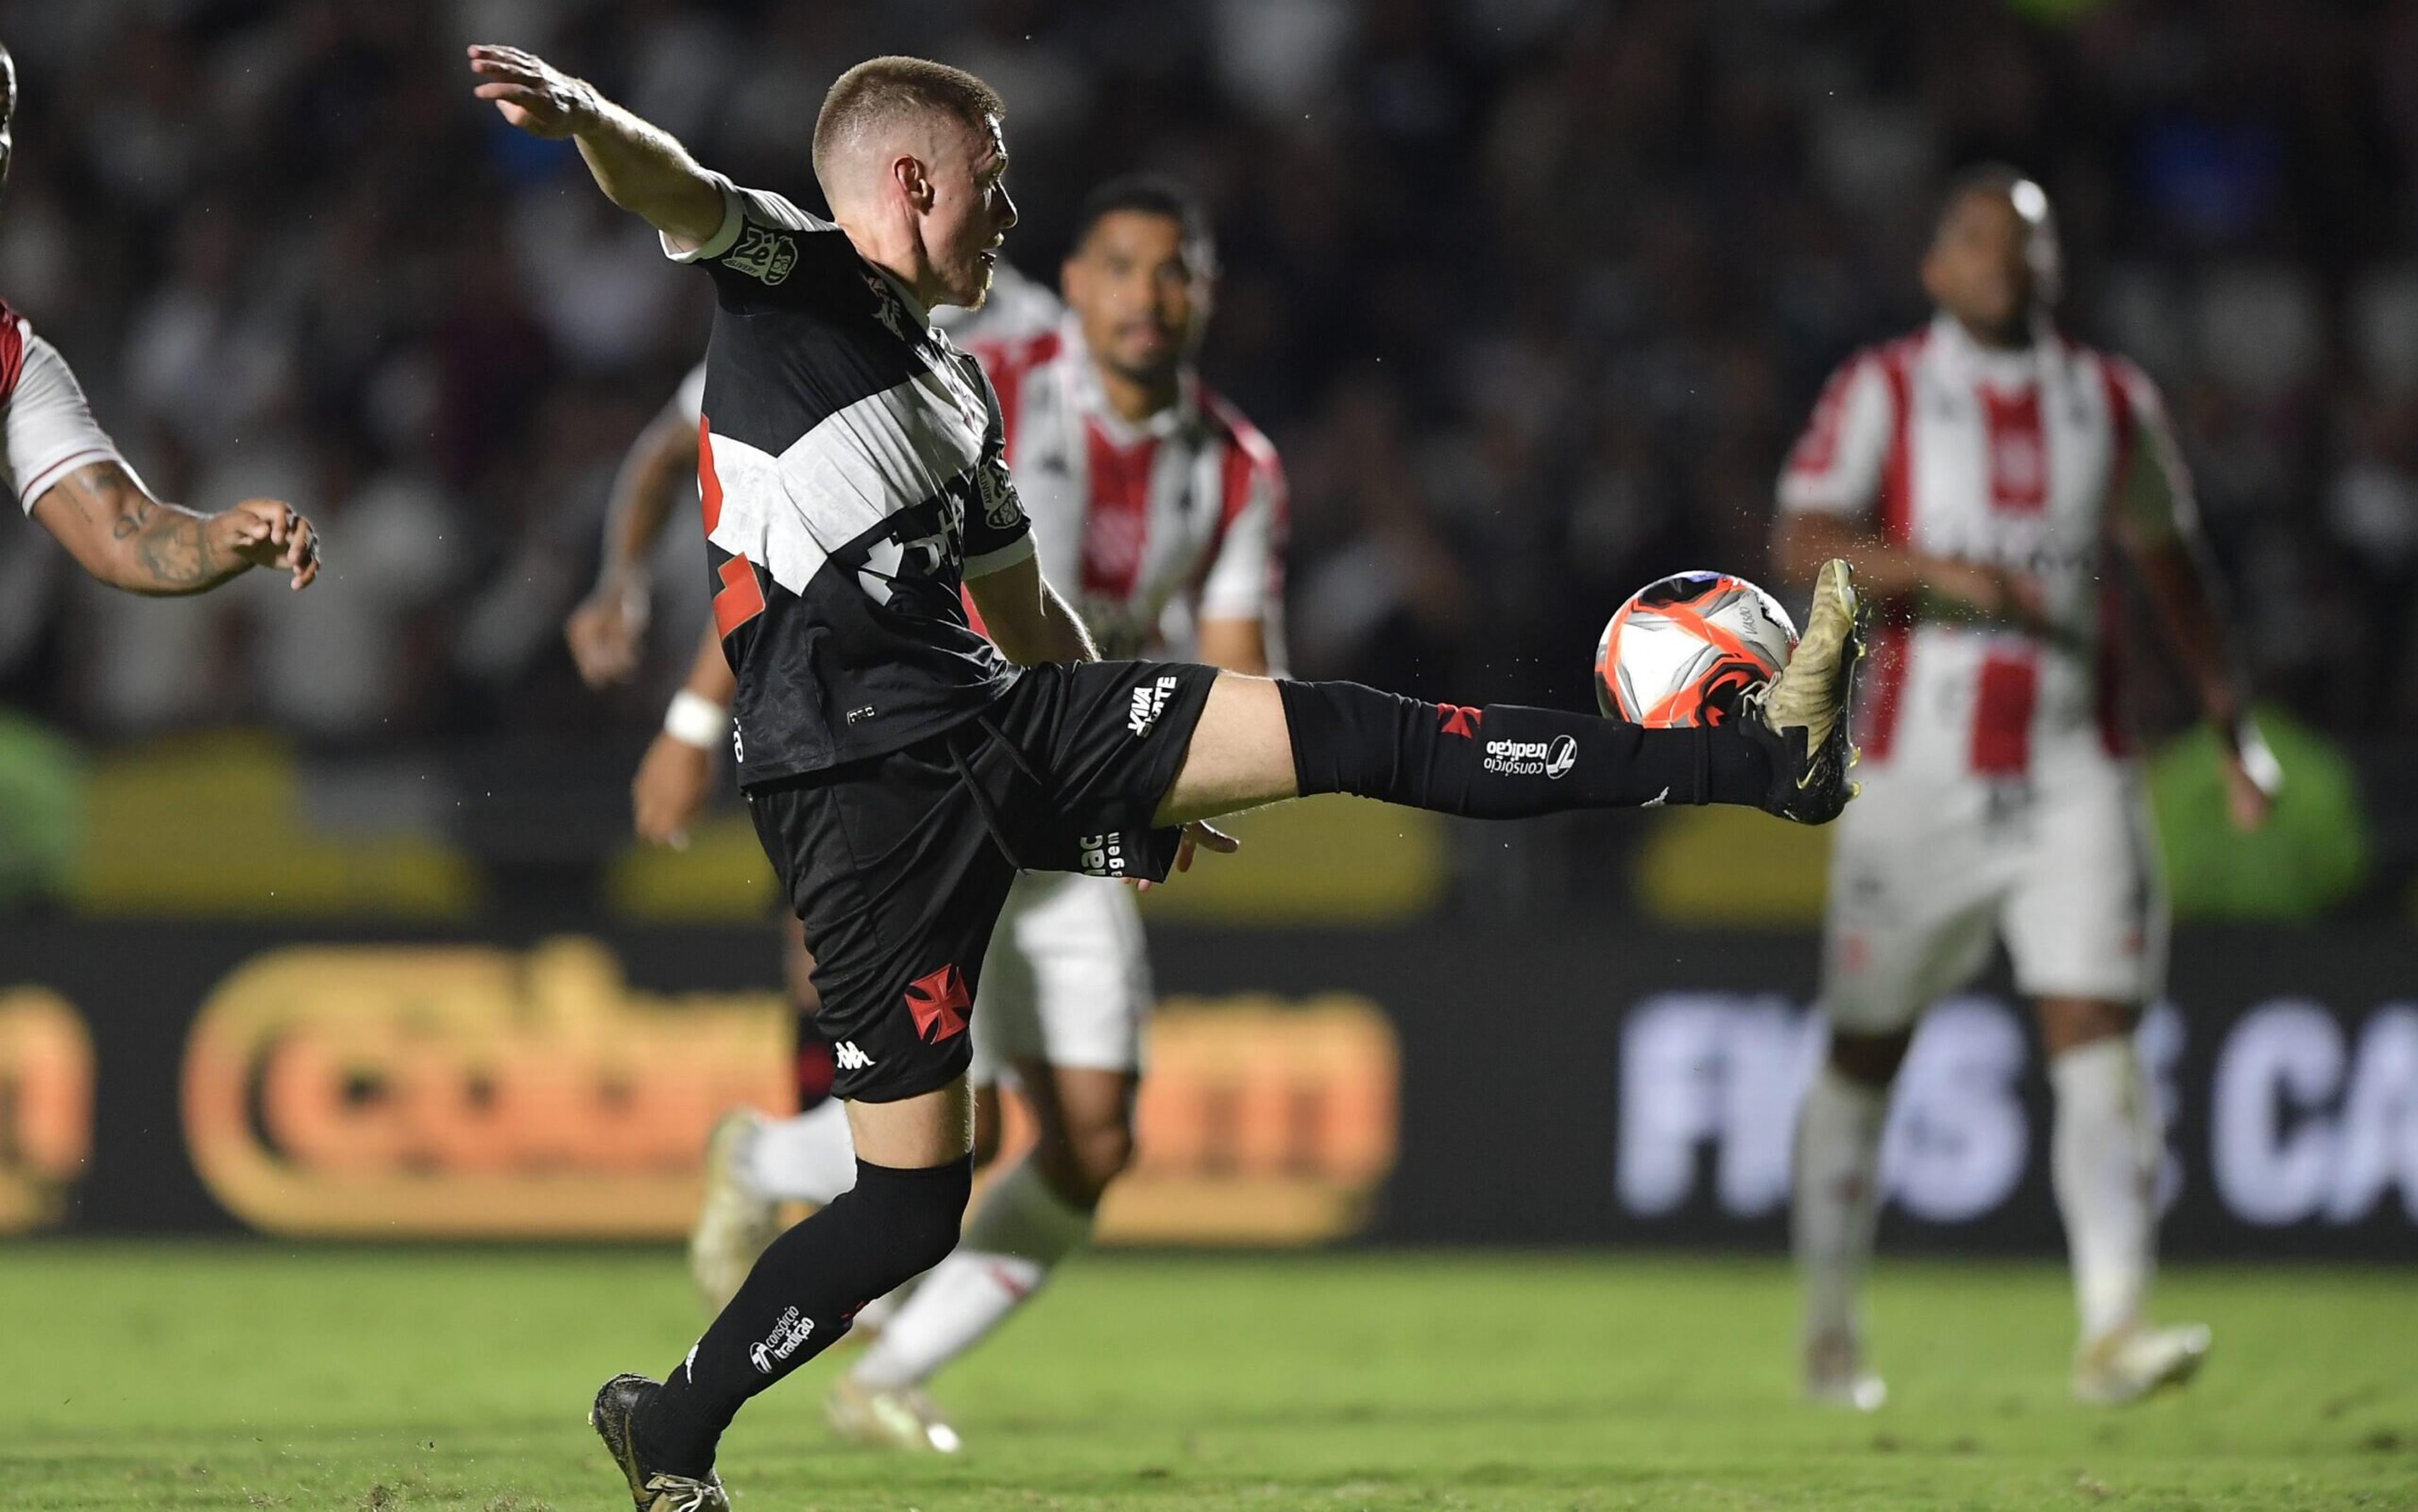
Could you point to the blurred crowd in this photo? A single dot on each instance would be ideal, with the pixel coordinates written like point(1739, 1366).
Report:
point(1531, 293)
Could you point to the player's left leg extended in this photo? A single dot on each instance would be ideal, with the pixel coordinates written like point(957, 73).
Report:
point(1259, 741)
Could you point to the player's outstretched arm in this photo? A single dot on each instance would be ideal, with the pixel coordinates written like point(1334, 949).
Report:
point(676, 775)
point(129, 540)
point(639, 166)
point(604, 631)
point(1026, 618)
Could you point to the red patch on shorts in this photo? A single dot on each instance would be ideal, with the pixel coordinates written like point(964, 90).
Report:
point(939, 1001)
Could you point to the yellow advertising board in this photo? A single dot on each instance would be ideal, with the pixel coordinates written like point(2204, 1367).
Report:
point(476, 1092)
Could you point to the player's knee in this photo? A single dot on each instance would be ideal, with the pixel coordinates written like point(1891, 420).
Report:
point(917, 1213)
point(1870, 1060)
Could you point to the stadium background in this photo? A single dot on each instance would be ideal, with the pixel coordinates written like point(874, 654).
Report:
point(325, 919)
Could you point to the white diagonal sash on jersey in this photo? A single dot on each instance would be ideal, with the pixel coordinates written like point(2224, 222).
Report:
point(853, 470)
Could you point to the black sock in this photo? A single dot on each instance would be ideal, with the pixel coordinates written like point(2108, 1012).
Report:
point(1507, 761)
point(893, 1225)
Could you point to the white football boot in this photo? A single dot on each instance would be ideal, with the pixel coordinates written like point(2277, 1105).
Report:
point(889, 1417)
point(734, 1221)
point(1835, 1375)
point(2129, 1363)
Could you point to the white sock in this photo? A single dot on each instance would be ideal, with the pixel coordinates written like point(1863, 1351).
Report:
point(2104, 1163)
point(1017, 1233)
point(808, 1158)
point(1836, 1172)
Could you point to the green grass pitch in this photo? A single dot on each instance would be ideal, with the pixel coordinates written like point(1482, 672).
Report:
point(248, 1375)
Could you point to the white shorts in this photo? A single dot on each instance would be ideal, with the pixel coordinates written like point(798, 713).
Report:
point(1067, 980)
point(1928, 872)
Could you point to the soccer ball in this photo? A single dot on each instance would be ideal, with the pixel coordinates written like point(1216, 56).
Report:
point(1682, 650)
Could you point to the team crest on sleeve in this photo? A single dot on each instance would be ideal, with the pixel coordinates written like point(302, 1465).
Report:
point(999, 501)
point(763, 254)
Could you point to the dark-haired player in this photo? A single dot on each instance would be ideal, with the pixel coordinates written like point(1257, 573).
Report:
point(902, 769)
point(1980, 475)
point(68, 474)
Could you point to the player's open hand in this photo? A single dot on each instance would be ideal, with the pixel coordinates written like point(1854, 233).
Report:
point(1198, 835)
point(607, 632)
point(531, 93)
point(267, 532)
point(669, 792)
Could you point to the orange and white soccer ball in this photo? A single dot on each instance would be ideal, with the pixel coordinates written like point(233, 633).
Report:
point(1683, 650)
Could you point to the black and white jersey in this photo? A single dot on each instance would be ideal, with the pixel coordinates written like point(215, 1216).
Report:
point(852, 473)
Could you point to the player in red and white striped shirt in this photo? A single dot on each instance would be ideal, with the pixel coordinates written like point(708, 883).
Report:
point(68, 474)
point(1981, 476)
point(1162, 511)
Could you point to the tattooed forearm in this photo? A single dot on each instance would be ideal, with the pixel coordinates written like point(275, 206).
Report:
point(129, 539)
point(175, 553)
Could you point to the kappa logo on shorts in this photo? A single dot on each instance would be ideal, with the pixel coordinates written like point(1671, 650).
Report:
point(1549, 759)
point(764, 254)
point(1149, 699)
point(939, 1001)
point(846, 1055)
point(1459, 719)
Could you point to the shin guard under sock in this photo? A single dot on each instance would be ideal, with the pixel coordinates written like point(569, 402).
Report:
point(800, 1297)
point(1506, 760)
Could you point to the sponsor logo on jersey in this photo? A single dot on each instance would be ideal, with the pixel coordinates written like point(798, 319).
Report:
point(939, 1001)
point(789, 1333)
point(1549, 759)
point(847, 1057)
point(1104, 855)
point(763, 254)
point(1149, 701)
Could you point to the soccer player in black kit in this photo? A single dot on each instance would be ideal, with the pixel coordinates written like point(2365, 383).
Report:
point(900, 768)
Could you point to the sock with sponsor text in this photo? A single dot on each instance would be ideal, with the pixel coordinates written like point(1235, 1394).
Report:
point(800, 1298)
point(2104, 1158)
point(1506, 760)
point(1837, 1201)
point(1015, 1235)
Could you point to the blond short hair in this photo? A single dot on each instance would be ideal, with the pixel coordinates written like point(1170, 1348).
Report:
point(881, 90)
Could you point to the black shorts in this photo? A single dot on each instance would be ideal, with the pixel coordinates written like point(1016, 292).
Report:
point(899, 865)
